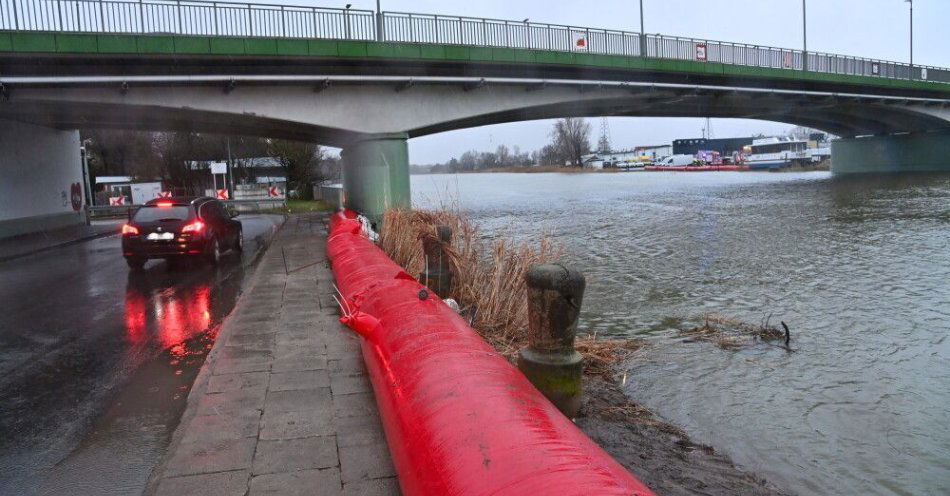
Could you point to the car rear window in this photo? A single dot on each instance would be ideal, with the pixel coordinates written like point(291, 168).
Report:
point(154, 214)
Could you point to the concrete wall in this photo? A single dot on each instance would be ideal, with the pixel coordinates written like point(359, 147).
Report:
point(332, 194)
point(922, 152)
point(39, 167)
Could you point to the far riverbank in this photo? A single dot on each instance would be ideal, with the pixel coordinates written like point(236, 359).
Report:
point(824, 165)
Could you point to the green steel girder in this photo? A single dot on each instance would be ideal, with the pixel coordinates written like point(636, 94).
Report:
point(46, 43)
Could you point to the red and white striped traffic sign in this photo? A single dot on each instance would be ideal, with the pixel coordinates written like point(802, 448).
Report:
point(222, 194)
point(701, 52)
point(116, 201)
point(164, 194)
point(273, 192)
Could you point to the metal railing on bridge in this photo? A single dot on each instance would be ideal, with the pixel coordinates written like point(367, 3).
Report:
point(209, 18)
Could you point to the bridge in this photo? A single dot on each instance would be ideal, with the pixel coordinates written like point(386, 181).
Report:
point(368, 81)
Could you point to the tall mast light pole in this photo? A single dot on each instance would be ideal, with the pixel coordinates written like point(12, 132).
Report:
point(379, 22)
point(643, 35)
point(911, 2)
point(804, 36)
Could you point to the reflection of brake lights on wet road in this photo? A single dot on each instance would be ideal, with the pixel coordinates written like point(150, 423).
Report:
point(134, 316)
point(177, 317)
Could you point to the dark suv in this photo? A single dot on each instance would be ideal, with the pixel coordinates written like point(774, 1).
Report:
point(173, 228)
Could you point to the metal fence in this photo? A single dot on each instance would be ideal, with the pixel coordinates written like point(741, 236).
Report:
point(190, 17)
point(209, 18)
point(125, 211)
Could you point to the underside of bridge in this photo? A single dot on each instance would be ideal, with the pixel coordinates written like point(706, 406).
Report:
point(371, 118)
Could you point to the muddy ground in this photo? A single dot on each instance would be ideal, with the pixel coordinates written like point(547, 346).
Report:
point(659, 453)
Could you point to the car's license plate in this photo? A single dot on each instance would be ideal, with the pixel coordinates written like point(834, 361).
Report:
point(161, 236)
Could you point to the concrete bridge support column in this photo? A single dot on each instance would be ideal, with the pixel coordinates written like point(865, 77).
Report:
point(376, 175)
point(917, 152)
point(41, 182)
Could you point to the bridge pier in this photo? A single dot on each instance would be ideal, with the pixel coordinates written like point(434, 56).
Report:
point(376, 175)
point(41, 182)
point(915, 152)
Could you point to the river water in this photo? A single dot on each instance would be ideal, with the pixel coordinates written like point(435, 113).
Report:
point(859, 268)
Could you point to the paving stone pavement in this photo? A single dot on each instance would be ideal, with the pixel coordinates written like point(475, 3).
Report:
point(283, 404)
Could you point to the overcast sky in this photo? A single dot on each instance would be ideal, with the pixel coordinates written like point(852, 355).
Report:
point(869, 28)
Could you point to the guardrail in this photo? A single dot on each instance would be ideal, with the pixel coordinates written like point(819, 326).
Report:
point(256, 205)
point(209, 18)
point(189, 17)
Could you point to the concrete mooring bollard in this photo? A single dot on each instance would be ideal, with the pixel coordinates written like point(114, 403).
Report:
point(438, 274)
point(550, 362)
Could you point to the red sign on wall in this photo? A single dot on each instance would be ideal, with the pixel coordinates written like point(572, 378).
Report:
point(75, 193)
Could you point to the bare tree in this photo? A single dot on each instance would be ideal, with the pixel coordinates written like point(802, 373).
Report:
point(121, 153)
point(571, 139)
point(176, 150)
point(301, 164)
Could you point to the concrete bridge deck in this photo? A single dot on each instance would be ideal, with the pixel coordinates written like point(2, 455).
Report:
point(283, 404)
point(367, 82)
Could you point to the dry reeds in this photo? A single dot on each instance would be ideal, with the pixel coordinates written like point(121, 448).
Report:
point(489, 288)
point(601, 356)
point(729, 333)
point(490, 285)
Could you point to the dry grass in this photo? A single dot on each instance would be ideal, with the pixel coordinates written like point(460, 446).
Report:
point(489, 276)
point(601, 356)
point(489, 280)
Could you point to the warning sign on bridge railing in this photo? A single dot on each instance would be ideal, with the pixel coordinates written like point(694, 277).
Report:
point(164, 194)
point(116, 201)
point(580, 40)
point(701, 51)
point(273, 192)
point(223, 194)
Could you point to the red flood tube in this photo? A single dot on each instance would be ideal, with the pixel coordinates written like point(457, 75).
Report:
point(459, 418)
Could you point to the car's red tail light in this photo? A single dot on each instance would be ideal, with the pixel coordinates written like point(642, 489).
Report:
point(130, 230)
point(164, 204)
point(195, 227)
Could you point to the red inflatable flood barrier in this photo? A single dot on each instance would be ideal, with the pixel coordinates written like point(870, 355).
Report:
point(459, 418)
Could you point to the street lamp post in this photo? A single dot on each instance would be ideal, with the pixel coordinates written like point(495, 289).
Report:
point(804, 37)
point(90, 196)
point(643, 36)
point(379, 22)
point(911, 2)
point(346, 19)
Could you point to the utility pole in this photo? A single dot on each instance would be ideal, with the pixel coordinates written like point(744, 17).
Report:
point(228, 176)
point(804, 37)
point(603, 144)
point(643, 34)
point(89, 195)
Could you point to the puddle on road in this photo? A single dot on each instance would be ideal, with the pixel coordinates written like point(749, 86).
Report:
point(129, 439)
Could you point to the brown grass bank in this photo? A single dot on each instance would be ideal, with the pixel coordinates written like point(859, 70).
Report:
point(489, 279)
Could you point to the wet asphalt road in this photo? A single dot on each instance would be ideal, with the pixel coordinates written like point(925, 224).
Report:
point(96, 361)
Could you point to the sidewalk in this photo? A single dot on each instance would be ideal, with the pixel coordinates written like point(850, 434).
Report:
point(27, 244)
point(283, 404)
